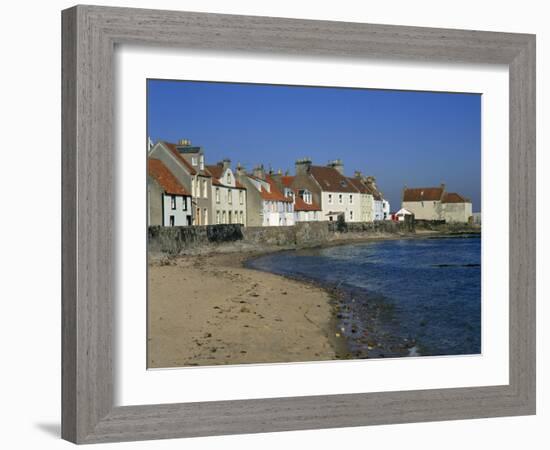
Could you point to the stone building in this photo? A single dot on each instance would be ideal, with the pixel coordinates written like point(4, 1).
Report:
point(435, 204)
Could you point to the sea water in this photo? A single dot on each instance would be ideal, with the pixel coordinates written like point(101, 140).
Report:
point(403, 297)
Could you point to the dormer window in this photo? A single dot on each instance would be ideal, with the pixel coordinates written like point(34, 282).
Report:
point(194, 161)
point(202, 162)
point(228, 178)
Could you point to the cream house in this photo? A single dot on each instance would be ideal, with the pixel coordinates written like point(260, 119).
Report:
point(228, 195)
point(366, 198)
point(435, 204)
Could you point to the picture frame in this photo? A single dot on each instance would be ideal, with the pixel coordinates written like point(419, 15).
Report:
point(89, 37)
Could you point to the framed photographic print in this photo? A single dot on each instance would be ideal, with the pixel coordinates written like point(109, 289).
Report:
point(278, 224)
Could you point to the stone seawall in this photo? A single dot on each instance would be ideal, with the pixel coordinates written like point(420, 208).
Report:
point(195, 239)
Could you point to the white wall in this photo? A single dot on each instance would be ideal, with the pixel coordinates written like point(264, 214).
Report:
point(351, 209)
point(30, 332)
point(180, 214)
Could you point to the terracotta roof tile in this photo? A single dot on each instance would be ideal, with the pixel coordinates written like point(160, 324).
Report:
point(422, 194)
point(165, 178)
point(331, 180)
point(453, 197)
point(300, 205)
point(275, 194)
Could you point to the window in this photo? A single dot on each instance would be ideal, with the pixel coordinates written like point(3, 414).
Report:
point(217, 195)
point(351, 199)
point(242, 218)
point(229, 216)
point(205, 213)
point(241, 197)
point(204, 192)
point(229, 196)
point(194, 161)
point(184, 203)
point(173, 201)
point(351, 215)
point(330, 199)
point(340, 198)
point(223, 217)
point(172, 221)
point(218, 217)
point(202, 162)
point(228, 178)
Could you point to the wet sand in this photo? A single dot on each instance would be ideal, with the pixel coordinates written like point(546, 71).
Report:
point(209, 310)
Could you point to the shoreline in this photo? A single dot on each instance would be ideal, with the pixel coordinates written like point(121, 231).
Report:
point(242, 315)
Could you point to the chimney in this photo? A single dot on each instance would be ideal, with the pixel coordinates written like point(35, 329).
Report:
point(184, 142)
point(358, 174)
point(259, 172)
point(302, 166)
point(371, 181)
point(239, 170)
point(337, 164)
point(225, 164)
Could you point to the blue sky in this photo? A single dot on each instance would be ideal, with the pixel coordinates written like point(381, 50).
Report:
point(403, 138)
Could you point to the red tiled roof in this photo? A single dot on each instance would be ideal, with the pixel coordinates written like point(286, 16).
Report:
point(453, 197)
point(300, 205)
point(287, 180)
point(275, 194)
point(165, 178)
point(331, 180)
point(422, 194)
point(216, 171)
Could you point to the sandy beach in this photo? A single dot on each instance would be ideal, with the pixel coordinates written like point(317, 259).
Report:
point(210, 310)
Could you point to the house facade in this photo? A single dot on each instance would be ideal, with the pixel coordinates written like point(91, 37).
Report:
point(168, 202)
point(267, 206)
point(434, 203)
point(305, 208)
point(228, 195)
point(187, 163)
point(330, 189)
point(366, 198)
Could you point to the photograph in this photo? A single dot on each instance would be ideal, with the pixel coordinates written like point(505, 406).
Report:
point(310, 223)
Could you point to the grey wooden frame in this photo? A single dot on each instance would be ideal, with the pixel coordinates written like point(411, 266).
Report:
point(89, 37)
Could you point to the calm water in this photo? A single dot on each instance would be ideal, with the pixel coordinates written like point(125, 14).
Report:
point(414, 296)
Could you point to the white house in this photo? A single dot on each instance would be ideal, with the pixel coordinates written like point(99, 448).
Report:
point(168, 202)
point(274, 209)
point(305, 208)
point(228, 195)
point(366, 198)
point(330, 188)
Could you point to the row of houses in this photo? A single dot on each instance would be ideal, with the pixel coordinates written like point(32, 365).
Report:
point(183, 190)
